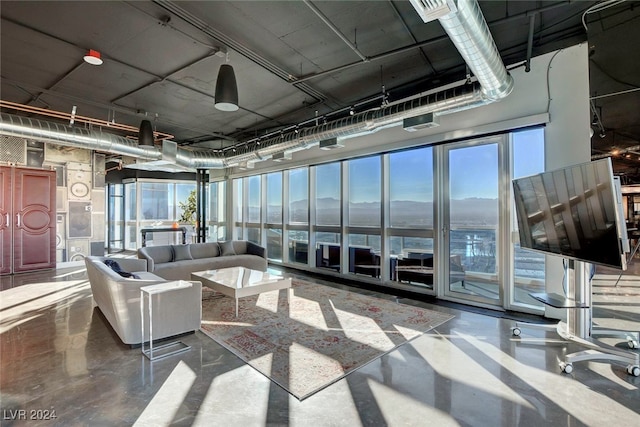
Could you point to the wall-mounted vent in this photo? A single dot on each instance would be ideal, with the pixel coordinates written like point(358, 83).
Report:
point(13, 150)
point(281, 157)
point(330, 144)
point(423, 121)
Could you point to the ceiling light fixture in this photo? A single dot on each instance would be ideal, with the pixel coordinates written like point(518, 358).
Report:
point(226, 89)
point(93, 57)
point(145, 134)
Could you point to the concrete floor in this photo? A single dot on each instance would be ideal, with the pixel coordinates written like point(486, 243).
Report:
point(59, 356)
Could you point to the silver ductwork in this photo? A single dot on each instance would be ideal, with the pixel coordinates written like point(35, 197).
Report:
point(467, 29)
point(25, 127)
point(366, 122)
point(470, 33)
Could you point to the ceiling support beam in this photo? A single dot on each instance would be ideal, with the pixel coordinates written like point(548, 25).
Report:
point(222, 38)
point(56, 83)
point(335, 29)
point(425, 43)
point(167, 77)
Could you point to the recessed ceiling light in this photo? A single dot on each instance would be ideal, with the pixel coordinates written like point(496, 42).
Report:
point(93, 57)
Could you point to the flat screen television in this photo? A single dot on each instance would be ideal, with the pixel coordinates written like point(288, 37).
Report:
point(574, 212)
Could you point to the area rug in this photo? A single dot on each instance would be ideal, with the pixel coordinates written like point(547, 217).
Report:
point(318, 337)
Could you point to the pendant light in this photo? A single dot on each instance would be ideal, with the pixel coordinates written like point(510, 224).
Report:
point(226, 89)
point(145, 134)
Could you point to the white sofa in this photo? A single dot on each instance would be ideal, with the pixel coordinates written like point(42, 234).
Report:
point(118, 298)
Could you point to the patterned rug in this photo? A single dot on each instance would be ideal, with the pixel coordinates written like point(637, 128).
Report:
point(317, 338)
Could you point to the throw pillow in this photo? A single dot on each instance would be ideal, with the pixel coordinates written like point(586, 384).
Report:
point(181, 252)
point(226, 248)
point(116, 267)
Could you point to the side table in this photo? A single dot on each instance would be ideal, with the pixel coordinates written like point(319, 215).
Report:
point(147, 292)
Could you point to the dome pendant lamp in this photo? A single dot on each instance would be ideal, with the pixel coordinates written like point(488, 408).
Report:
point(226, 89)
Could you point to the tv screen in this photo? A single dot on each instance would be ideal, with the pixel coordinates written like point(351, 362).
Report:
point(573, 212)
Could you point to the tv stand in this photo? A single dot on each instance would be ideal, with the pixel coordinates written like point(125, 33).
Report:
point(578, 310)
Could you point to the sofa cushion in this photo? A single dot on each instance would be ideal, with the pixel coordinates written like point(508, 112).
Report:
point(204, 250)
point(160, 254)
point(226, 248)
point(248, 261)
point(181, 252)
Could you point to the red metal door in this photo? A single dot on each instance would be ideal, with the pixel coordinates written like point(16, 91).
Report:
point(34, 219)
point(5, 220)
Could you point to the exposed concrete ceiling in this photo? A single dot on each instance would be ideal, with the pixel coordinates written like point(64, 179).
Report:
point(295, 61)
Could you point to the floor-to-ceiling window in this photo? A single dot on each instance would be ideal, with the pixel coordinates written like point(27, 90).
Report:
point(527, 148)
point(364, 218)
point(430, 219)
point(298, 213)
point(153, 203)
point(238, 212)
point(115, 218)
point(217, 210)
point(273, 216)
point(253, 214)
point(471, 218)
point(130, 215)
point(411, 219)
point(328, 214)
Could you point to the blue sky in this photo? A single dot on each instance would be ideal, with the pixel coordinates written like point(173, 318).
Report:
point(473, 172)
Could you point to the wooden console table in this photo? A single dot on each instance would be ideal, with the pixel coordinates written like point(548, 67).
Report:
point(144, 232)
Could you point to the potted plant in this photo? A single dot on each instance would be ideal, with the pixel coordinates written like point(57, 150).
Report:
point(188, 215)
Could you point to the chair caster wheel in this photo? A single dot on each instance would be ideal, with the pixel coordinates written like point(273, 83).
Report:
point(567, 368)
point(633, 370)
point(516, 331)
point(632, 343)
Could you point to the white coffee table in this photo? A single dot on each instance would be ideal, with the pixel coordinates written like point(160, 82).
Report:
point(238, 282)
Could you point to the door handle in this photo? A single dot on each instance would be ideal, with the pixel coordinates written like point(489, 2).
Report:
point(6, 220)
point(17, 220)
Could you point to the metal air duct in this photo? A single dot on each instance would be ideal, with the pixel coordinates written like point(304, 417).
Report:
point(155, 158)
point(444, 102)
point(466, 27)
point(55, 133)
point(470, 34)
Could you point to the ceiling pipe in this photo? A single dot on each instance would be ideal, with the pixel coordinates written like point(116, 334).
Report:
point(470, 34)
point(25, 127)
point(467, 29)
